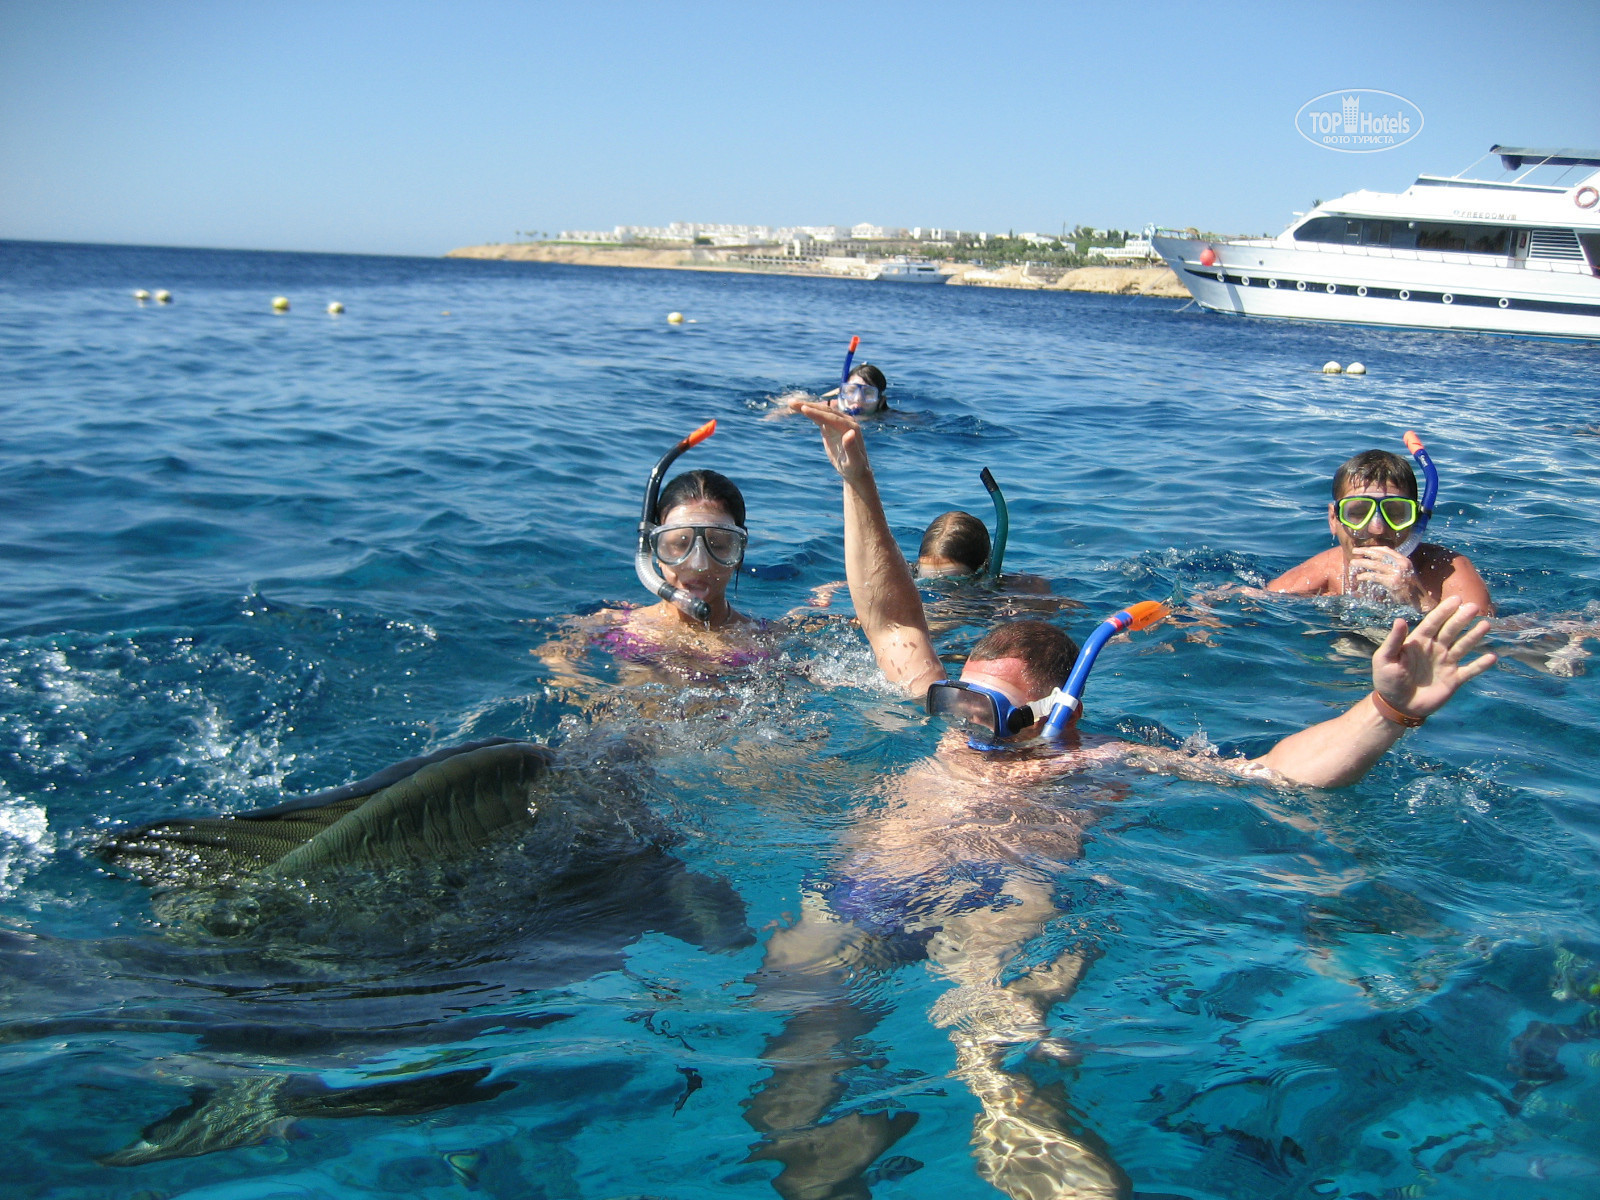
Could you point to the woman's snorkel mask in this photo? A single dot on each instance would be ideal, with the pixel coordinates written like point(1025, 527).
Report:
point(1430, 492)
point(997, 719)
point(859, 398)
point(643, 560)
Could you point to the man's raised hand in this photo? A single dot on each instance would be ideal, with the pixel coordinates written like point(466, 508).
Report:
point(1418, 671)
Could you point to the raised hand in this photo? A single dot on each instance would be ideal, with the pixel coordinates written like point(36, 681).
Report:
point(1418, 671)
point(841, 435)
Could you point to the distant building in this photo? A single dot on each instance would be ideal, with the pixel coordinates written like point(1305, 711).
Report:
point(1133, 250)
point(814, 233)
point(876, 233)
point(685, 232)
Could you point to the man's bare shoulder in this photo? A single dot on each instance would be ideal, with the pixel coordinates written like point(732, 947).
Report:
point(1317, 576)
point(1445, 572)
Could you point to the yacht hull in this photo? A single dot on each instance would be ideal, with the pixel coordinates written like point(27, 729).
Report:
point(1344, 285)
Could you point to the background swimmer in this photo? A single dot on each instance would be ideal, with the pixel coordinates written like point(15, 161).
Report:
point(864, 393)
point(1374, 505)
point(955, 546)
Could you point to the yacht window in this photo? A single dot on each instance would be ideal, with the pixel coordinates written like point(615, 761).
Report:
point(1330, 229)
point(1377, 233)
point(1408, 235)
point(1591, 247)
point(1472, 239)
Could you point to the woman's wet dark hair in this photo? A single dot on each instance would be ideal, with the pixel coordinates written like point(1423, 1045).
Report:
point(701, 485)
point(958, 536)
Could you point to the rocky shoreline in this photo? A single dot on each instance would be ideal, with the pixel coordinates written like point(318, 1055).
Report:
point(1116, 281)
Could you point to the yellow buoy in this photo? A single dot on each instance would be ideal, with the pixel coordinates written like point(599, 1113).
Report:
point(141, 295)
point(1355, 369)
point(280, 304)
point(335, 308)
point(674, 318)
point(163, 297)
point(1332, 368)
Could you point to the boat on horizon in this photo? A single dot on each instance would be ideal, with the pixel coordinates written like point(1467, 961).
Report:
point(904, 269)
point(1498, 256)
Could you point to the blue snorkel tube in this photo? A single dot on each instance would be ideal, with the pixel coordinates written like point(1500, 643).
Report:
point(644, 564)
point(849, 356)
point(1068, 699)
point(1002, 522)
point(844, 375)
point(1430, 492)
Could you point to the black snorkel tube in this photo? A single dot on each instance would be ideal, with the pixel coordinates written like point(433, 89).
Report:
point(644, 561)
point(1002, 522)
point(1430, 492)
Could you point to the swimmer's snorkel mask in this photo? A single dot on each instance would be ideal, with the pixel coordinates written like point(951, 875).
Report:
point(856, 399)
point(1430, 492)
point(644, 559)
point(993, 719)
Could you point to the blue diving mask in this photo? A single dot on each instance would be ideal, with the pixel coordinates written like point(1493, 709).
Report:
point(856, 398)
point(986, 712)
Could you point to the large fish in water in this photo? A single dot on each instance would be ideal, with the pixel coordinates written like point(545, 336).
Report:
point(497, 862)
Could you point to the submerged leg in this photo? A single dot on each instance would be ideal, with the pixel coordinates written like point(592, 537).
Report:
point(808, 969)
point(1026, 1140)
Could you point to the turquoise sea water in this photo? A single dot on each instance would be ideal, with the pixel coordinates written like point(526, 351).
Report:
point(248, 556)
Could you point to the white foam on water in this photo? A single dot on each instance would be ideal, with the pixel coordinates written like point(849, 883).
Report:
point(25, 839)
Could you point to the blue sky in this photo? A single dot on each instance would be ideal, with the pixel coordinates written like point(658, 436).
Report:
point(411, 128)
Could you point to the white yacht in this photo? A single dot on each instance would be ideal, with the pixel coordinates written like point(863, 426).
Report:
point(901, 269)
point(1504, 256)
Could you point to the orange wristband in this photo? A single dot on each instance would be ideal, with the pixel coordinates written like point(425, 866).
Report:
point(1390, 713)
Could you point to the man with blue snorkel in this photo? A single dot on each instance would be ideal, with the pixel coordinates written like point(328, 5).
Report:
point(956, 863)
point(1377, 521)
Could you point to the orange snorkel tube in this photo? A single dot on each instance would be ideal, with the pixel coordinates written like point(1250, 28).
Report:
point(643, 560)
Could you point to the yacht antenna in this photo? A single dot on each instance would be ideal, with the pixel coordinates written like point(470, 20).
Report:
point(1459, 174)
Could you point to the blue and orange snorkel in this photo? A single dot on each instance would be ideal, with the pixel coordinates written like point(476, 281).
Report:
point(644, 561)
point(1430, 492)
point(849, 355)
point(1002, 523)
point(1068, 699)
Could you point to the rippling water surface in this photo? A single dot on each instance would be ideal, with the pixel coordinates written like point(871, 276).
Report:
point(248, 556)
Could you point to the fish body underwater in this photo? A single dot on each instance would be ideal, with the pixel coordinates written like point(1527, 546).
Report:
point(382, 914)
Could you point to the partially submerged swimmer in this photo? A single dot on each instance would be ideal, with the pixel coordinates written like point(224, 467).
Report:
point(1377, 555)
point(947, 868)
point(955, 543)
point(956, 547)
point(692, 539)
point(863, 392)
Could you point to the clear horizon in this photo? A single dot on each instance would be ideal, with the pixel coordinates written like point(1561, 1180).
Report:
point(416, 128)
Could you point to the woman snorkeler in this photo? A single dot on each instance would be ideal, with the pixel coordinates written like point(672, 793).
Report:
point(691, 546)
point(862, 392)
